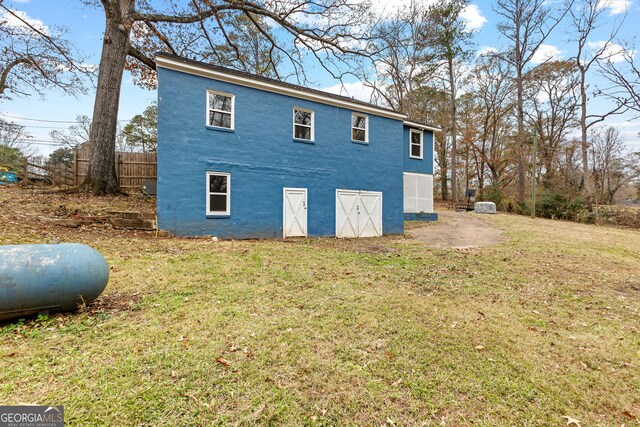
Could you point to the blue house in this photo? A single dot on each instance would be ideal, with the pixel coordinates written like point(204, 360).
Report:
point(246, 156)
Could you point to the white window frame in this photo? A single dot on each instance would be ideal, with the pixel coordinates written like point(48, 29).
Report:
point(232, 112)
point(411, 144)
point(312, 126)
point(209, 193)
point(366, 127)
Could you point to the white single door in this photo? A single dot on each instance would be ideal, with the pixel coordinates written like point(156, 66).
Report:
point(347, 212)
point(370, 221)
point(358, 213)
point(294, 212)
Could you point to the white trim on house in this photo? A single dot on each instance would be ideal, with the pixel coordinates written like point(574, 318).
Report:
point(411, 144)
point(411, 123)
point(209, 193)
point(365, 129)
point(202, 71)
point(232, 112)
point(312, 126)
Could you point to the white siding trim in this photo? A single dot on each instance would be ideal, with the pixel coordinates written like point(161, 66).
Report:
point(411, 123)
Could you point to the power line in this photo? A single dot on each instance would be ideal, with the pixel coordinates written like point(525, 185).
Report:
point(38, 120)
point(45, 127)
point(40, 142)
point(50, 121)
point(46, 143)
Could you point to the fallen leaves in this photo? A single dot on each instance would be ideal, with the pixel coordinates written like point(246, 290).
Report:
point(225, 363)
point(572, 421)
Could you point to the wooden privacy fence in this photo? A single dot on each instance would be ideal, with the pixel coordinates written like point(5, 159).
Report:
point(132, 169)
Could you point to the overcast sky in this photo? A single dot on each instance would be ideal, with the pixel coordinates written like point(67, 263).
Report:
point(85, 26)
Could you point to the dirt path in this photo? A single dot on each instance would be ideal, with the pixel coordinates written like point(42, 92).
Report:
point(457, 230)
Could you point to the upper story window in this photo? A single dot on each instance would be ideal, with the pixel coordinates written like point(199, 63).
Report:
point(303, 124)
point(415, 144)
point(359, 127)
point(220, 109)
point(218, 193)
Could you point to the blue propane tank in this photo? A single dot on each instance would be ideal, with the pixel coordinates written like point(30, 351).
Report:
point(49, 278)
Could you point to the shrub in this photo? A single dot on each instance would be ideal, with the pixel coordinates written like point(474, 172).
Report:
point(557, 206)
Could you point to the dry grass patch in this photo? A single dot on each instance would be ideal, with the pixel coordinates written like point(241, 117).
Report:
point(335, 332)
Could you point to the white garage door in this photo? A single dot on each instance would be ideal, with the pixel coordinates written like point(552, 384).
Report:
point(358, 213)
point(418, 193)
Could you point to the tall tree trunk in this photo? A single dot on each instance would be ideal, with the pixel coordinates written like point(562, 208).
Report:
point(520, 152)
point(454, 131)
point(101, 176)
point(444, 190)
point(481, 170)
point(587, 186)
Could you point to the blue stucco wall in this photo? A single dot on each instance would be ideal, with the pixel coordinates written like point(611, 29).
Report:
point(262, 158)
point(424, 165)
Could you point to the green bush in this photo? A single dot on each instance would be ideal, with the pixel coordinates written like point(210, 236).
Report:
point(11, 159)
point(554, 205)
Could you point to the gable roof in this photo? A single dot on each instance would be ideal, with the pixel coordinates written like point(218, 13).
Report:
point(203, 69)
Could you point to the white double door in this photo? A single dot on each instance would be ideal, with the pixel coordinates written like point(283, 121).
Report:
point(294, 212)
point(358, 213)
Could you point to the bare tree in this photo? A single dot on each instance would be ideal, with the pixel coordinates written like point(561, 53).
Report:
point(14, 136)
point(586, 18)
point(491, 87)
point(527, 24)
point(35, 57)
point(622, 71)
point(451, 40)
point(404, 60)
point(551, 93)
point(76, 135)
point(434, 107)
point(311, 28)
point(612, 167)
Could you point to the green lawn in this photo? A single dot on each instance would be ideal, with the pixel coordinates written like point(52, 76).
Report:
point(330, 332)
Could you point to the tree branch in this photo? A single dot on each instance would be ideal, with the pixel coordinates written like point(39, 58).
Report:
point(135, 53)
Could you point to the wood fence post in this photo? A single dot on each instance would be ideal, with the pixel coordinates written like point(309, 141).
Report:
point(75, 167)
point(118, 166)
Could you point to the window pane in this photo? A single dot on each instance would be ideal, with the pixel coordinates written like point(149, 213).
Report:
point(415, 138)
point(415, 150)
point(303, 117)
point(303, 132)
point(222, 120)
point(358, 121)
point(217, 203)
point(357, 135)
point(220, 102)
point(217, 184)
